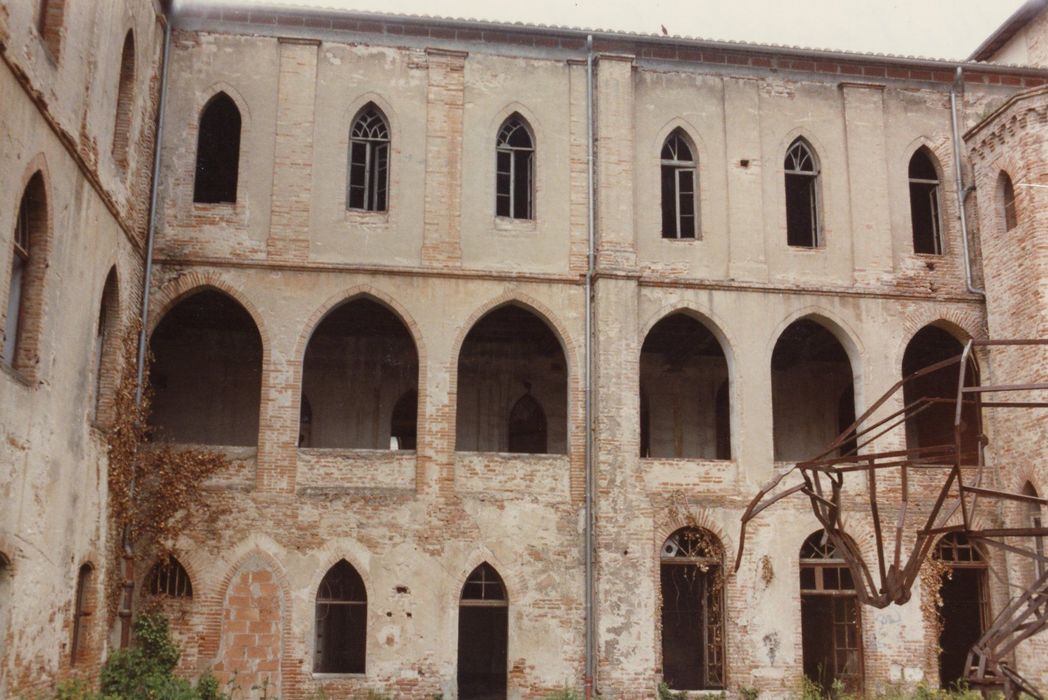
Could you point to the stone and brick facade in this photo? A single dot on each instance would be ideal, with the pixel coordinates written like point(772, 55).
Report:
point(288, 254)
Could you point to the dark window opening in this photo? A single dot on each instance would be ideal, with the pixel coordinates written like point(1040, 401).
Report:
point(341, 621)
point(106, 341)
point(683, 364)
point(368, 161)
point(924, 204)
point(1011, 219)
point(483, 636)
point(218, 152)
point(692, 589)
point(359, 365)
point(305, 423)
point(508, 350)
point(169, 578)
point(1033, 518)
point(207, 372)
point(965, 608)
point(802, 196)
point(934, 424)
point(679, 193)
point(514, 169)
point(831, 622)
point(527, 426)
point(82, 610)
point(124, 101)
point(27, 267)
point(405, 422)
point(811, 378)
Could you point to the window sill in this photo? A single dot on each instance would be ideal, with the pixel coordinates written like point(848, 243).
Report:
point(805, 249)
point(509, 225)
point(364, 216)
point(317, 676)
point(16, 374)
point(668, 239)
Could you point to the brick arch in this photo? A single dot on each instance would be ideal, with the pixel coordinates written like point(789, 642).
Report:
point(170, 294)
point(33, 305)
point(204, 97)
point(707, 318)
point(487, 556)
point(836, 325)
point(702, 518)
point(333, 554)
point(690, 130)
point(358, 103)
point(818, 148)
point(258, 579)
point(963, 325)
point(941, 152)
point(531, 119)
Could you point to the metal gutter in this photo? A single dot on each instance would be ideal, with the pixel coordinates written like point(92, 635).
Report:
point(588, 409)
point(129, 581)
point(959, 184)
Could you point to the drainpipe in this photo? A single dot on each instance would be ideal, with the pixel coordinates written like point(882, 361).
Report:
point(129, 555)
point(590, 624)
point(961, 192)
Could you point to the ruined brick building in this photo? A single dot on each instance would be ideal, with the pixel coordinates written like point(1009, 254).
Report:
point(370, 285)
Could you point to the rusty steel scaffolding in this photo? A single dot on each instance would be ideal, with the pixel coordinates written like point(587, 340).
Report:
point(900, 482)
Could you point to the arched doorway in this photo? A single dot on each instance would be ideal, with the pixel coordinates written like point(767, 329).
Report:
point(831, 617)
point(483, 636)
point(965, 611)
point(692, 589)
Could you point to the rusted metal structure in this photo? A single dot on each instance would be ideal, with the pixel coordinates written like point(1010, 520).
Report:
point(896, 485)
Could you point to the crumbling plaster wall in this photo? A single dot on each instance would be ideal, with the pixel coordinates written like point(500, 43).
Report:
point(58, 118)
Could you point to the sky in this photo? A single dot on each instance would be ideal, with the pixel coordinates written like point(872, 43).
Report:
point(929, 28)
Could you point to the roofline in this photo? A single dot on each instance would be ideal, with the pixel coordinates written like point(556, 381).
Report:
point(276, 19)
point(1009, 28)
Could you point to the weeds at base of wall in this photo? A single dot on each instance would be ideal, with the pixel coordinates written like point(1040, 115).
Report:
point(154, 489)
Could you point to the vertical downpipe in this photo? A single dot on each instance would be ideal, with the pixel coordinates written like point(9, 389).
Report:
point(590, 625)
point(128, 585)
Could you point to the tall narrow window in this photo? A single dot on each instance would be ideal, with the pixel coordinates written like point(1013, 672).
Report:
point(104, 337)
point(483, 636)
point(124, 99)
point(341, 619)
point(1033, 519)
point(692, 586)
point(81, 613)
point(679, 205)
point(831, 629)
point(514, 170)
point(368, 161)
point(924, 204)
point(802, 196)
point(527, 426)
point(1011, 220)
point(965, 611)
point(27, 269)
point(49, 24)
point(404, 423)
point(218, 152)
point(169, 578)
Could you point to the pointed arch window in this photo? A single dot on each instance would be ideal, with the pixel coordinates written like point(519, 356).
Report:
point(802, 196)
point(527, 426)
point(692, 588)
point(82, 610)
point(1008, 209)
point(483, 636)
point(218, 152)
point(514, 169)
point(368, 161)
point(28, 264)
point(124, 101)
point(105, 336)
point(169, 578)
point(1034, 519)
point(341, 621)
point(831, 623)
point(679, 187)
point(924, 204)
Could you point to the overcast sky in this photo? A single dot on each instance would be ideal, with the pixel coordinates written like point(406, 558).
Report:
point(932, 28)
